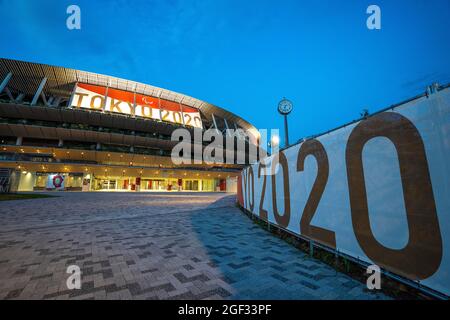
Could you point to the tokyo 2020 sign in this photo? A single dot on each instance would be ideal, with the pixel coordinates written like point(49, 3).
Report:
point(377, 190)
point(95, 97)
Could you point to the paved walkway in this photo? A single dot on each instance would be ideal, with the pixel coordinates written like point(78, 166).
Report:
point(154, 246)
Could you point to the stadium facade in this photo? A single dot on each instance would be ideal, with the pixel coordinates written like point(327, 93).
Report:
point(65, 129)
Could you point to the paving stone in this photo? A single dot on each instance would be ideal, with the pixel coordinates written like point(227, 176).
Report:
point(154, 246)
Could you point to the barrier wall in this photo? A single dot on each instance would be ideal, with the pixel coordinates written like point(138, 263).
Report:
point(377, 190)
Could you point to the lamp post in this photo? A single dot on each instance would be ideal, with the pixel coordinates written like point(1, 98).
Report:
point(284, 108)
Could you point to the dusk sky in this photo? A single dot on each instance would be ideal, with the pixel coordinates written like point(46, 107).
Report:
point(245, 56)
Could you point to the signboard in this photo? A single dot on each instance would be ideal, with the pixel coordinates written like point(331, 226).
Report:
point(112, 100)
point(55, 181)
point(86, 184)
point(377, 190)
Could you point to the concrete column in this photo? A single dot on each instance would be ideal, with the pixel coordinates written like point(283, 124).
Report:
point(38, 92)
point(214, 122)
point(5, 82)
point(226, 126)
point(20, 97)
point(60, 143)
point(19, 141)
point(27, 181)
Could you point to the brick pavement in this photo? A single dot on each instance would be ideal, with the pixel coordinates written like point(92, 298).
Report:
point(154, 246)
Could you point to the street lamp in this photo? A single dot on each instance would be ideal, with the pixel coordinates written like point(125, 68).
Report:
point(284, 108)
point(274, 141)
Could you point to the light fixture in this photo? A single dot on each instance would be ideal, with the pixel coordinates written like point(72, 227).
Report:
point(275, 141)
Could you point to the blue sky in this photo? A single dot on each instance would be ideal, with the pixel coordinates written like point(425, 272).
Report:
point(246, 55)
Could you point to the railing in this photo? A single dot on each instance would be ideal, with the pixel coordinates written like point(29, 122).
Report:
point(8, 156)
point(206, 124)
point(80, 126)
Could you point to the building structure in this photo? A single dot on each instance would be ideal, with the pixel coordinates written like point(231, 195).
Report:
point(66, 129)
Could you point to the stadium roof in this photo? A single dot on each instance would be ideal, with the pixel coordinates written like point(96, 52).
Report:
point(60, 82)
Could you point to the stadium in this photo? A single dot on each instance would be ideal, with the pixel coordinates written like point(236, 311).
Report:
point(65, 129)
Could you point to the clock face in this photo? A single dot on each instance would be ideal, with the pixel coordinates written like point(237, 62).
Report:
point(285, 106)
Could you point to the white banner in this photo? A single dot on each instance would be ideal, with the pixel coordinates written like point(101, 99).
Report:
point(378, 190)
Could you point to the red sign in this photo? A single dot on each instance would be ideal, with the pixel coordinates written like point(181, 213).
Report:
point(113, 100)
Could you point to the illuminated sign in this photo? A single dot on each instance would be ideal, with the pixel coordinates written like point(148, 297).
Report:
point(112, 100)
point(55, 181)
